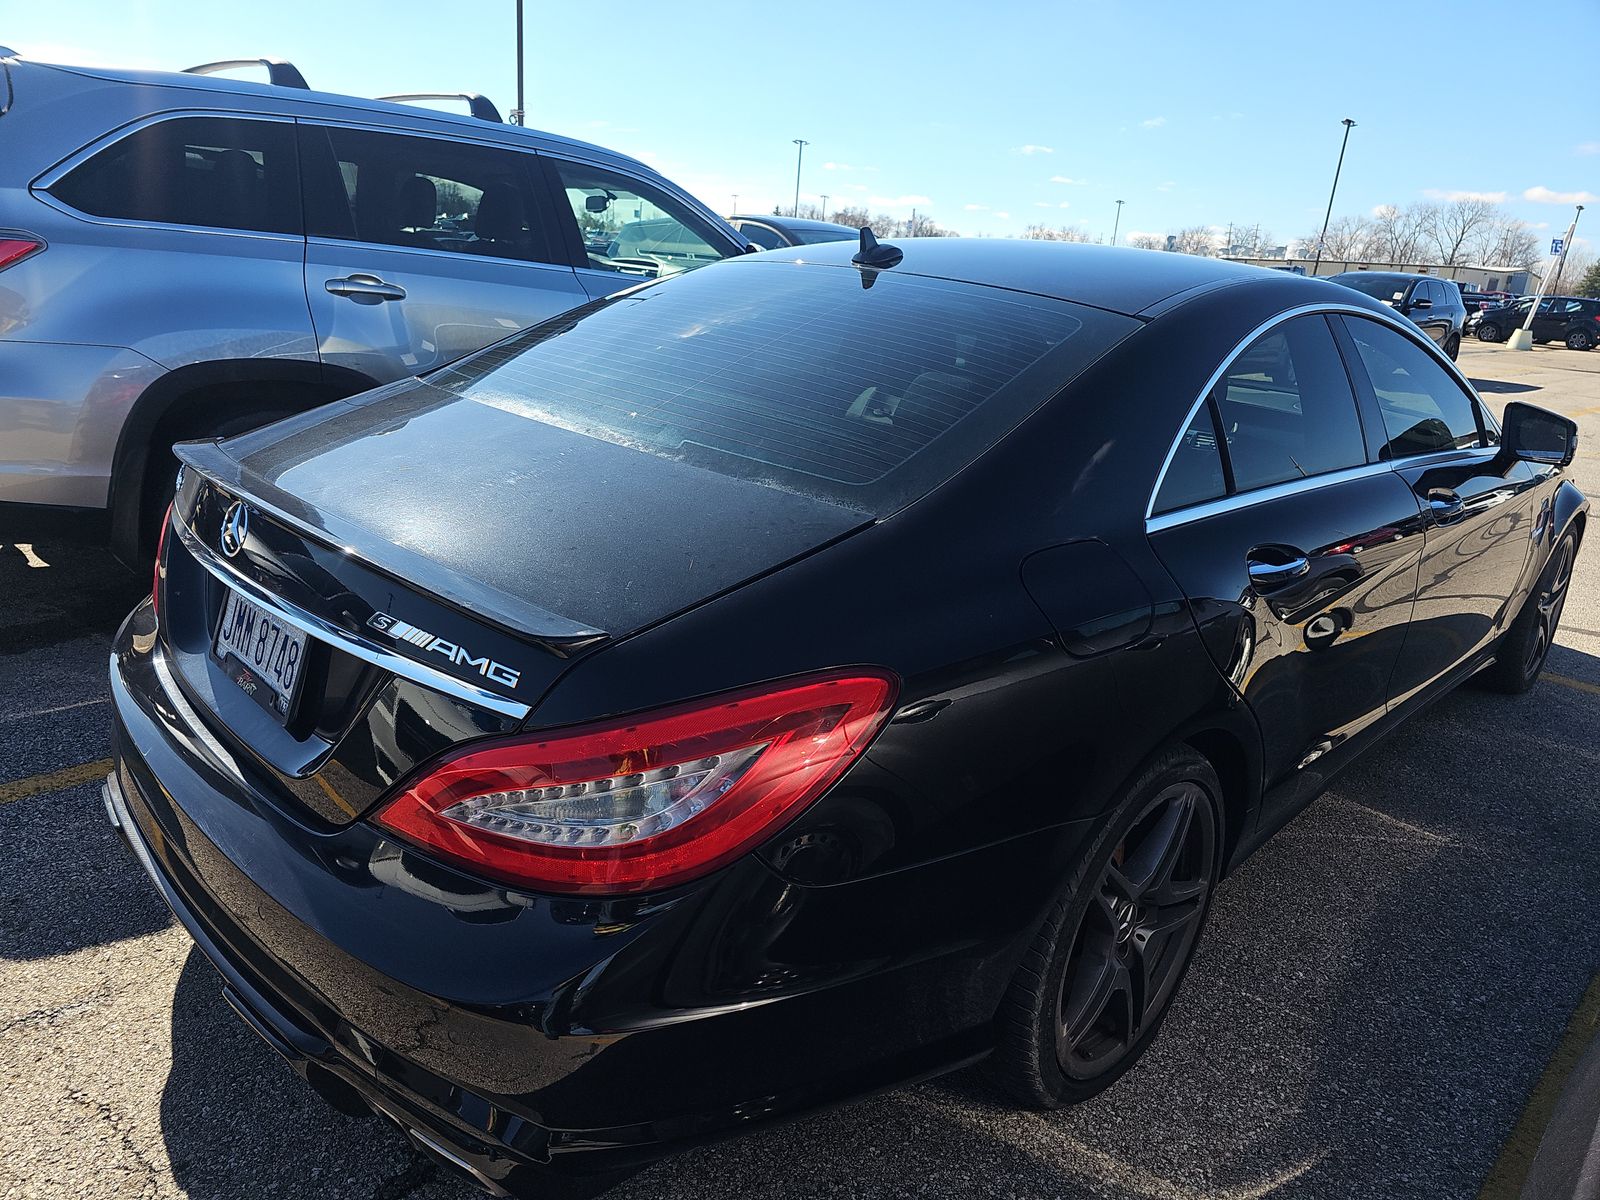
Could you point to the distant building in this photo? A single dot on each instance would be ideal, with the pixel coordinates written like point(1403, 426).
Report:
point(1470, 279)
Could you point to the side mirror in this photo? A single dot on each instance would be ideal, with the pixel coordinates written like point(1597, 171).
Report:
point(1419, 304)
point(1538, 435)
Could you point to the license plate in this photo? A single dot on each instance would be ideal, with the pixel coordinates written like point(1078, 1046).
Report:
point(261, 654)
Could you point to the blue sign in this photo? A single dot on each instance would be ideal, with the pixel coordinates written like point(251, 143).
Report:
point(1555, 246)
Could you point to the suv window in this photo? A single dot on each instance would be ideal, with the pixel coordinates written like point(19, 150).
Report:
point(422, 193)
point(1424, 410)
point(218, 172)
point(633, 228)
point(761, 235)
point(1287, 409)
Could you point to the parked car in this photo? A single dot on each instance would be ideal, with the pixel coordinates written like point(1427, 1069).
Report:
point(187, 255)
point(1433, 305)
point(776, 233)
point(603, 744)
point(1571, 320)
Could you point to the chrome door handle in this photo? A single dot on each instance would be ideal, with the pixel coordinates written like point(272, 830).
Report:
point(1264, 574)
point(363, 285)
point(1445, 505)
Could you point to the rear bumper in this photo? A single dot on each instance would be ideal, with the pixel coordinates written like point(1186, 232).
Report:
point(516, 1035)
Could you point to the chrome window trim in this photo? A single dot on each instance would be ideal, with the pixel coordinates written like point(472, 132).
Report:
point(342, 639)
point(1179, 516)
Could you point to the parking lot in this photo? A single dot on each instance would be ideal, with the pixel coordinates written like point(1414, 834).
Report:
point(1372, 1013)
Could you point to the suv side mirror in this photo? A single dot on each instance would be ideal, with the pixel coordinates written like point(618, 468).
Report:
point(1538, 435)
point(1419, 303)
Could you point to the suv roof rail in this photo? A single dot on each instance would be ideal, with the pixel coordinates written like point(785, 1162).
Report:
point(480, 106)
point(279, 71)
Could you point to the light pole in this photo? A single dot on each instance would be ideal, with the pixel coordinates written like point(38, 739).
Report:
point(518, 114)
point(735, 204)
point(1118, 224)
point(824, 208)
point(799, 157)
point(1348, 126)
point(1522, 339)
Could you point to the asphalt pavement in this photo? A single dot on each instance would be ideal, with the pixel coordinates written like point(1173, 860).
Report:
point(1371, 1014)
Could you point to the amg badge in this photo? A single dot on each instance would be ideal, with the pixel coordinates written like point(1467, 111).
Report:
point(402, 632)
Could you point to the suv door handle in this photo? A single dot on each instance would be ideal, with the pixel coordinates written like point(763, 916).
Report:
point(363, 286)
point(1445, 505)
point(1265, 574)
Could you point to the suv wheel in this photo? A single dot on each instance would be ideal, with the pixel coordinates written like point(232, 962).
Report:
point(1452, 346)
point(1488, 332)
point(1580, 339)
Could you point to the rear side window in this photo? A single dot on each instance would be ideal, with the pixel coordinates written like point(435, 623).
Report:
point(216, 172)
point(1195, 473)
point(1424, 409)
point(864, 390)
point(1287, 408)
point(421, 193)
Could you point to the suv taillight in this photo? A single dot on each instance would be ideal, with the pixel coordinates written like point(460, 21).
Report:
point(15, 249)
point(647, 801)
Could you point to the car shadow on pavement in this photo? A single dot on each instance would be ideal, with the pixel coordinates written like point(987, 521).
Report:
point(1500, 387)
point(52, 591)
point(1379, 989)
point(66, 879)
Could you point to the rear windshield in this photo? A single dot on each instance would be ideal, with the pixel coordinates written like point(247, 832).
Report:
point(1379, 287)
point(797, 376)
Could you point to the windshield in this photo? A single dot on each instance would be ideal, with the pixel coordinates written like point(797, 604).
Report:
point(1380, 287)
point(799, 377)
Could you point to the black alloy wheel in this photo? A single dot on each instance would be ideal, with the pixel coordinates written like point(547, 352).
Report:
point(1452, 346)
point(1527, 643)
point(1488, 332)
point(1100, 977)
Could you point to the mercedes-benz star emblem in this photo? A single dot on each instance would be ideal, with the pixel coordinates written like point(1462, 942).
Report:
point(235, 528)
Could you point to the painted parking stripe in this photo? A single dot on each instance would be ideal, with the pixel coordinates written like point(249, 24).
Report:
point(54, 781)
point(1577, 685)
point(1510, 1169)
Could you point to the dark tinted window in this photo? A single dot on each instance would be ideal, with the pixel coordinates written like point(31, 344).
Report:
point(1287, 409)
point(816, 237)
point(797, 376)
point(1378, 285)
point(1424, 409)
point(1195, 473)
point(767, 239)
point(211, 171)
point(424, 193)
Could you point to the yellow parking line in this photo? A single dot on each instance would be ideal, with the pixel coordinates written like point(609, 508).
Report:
point(1510, 1170)
point(54, 781)
point(1577, 685)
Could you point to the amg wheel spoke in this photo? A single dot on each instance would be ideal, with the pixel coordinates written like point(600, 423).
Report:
point(1092, 988)
point(1158, 855)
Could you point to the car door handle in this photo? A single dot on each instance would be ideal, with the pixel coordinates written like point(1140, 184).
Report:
point(1265, 574)
point(365, 286)
point(1445, 505)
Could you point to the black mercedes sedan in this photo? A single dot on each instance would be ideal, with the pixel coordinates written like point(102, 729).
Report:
point(792, 679)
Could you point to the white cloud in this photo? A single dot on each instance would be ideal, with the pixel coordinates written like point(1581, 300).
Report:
point(1153, 122)
point(1587, 148)
point(975, 207)
point(1437, 194)
point(833, 166)
point(1066, 179)
point(1043, 204)
point(1002, 216)
point(899, 201)
point(1030, 148)
point(1165, 185)
point(1543, 195)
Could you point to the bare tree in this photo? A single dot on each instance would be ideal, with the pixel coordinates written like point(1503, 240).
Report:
point(1348, 239)
point(1147, 241)
point(1509, 242)
point(1195, 239)
point(885, 226)
point(1399, 234)
point(1063, 233)
point(1456, 228)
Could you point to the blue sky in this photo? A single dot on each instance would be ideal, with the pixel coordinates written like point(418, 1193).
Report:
point(986, 117)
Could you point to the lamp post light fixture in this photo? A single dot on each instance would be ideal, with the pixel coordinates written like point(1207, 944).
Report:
point(1323, 236)
point(824, 208)
point(799, 157)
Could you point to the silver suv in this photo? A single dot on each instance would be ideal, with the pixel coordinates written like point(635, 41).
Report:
point(184, 255)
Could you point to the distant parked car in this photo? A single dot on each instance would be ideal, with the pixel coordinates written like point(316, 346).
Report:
point(184, 255)
point(1433, 305)
point(775, 233)
point(1571, 320)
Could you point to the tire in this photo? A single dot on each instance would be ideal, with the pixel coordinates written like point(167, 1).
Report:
point(1580, 339)
point(1488, 332)
point(1523, 648)
point(1117, 941)
point(1452, 346)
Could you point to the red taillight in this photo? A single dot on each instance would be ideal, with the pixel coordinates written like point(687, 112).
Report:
point(648, 801)
point(14, 250)
point(161, 558)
